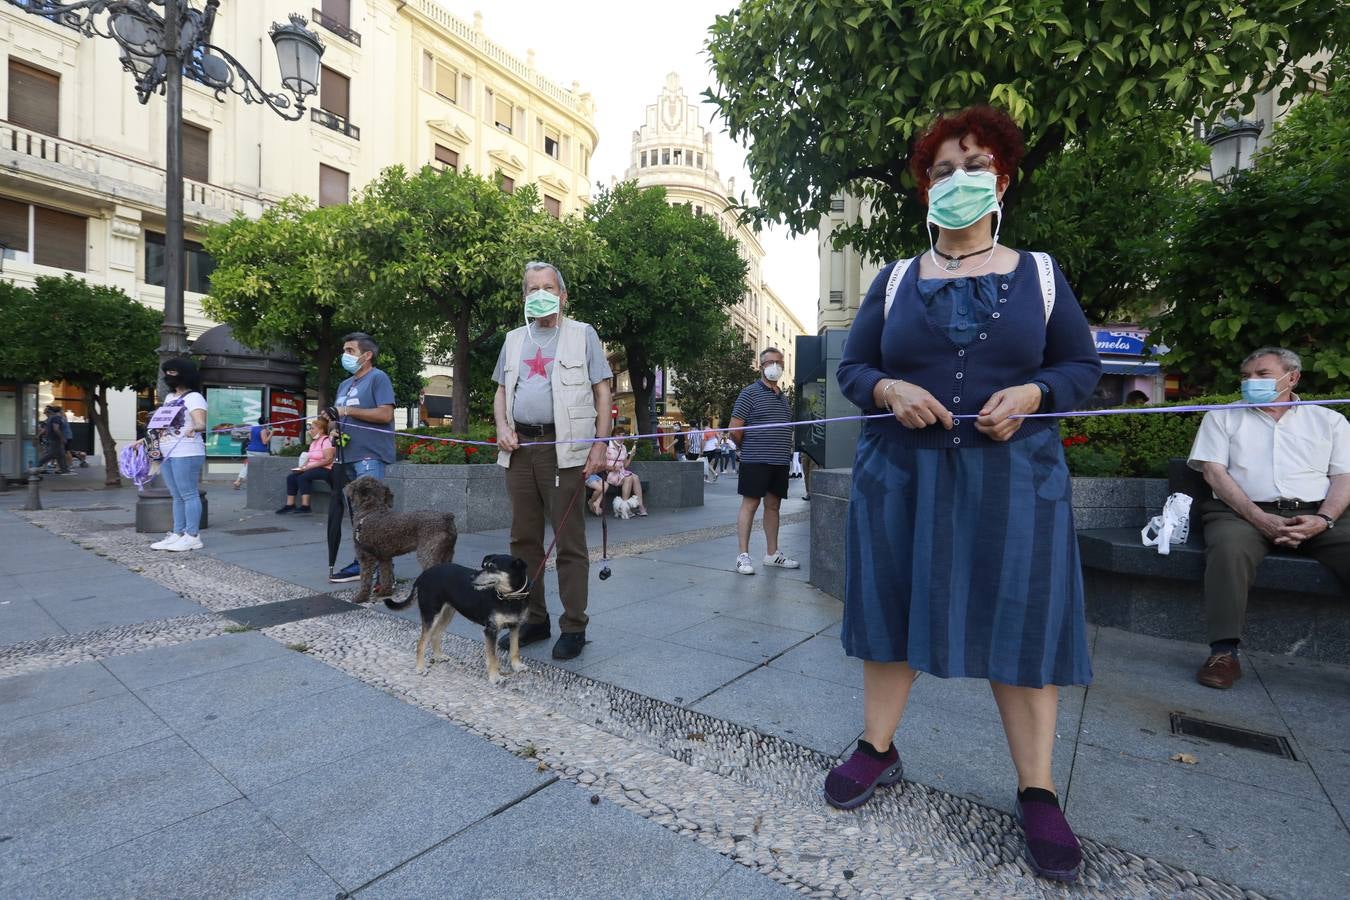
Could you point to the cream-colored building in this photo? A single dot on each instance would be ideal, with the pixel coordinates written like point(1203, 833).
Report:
point(81, 160)
point(673, 150)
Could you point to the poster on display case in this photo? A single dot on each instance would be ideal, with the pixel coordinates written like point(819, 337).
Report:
point(230, 412)
point(285, 411)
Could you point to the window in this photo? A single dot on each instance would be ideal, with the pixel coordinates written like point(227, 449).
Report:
point(502, 114)
point(334, 186)
point(196, 153)
point(698, 210)
point(837, 203)
point(447, 82)
point(335, 93)
point(41, 235)
point(197, 264)
point(585, 161)
point(679, 157)
point(448, 158)
point(506, 183)
point(340, 11)
point(553, 206)
point(665, 157)
point(551, 140)
point(644, 159)
point(837, 276)
point(700, 160)
point(34, 97)
point(14, 225)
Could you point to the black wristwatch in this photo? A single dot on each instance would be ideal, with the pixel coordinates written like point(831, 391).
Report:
point(1046, 396)
point(1331, 523)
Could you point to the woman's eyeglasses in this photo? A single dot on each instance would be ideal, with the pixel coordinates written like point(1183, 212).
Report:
point(974, 164)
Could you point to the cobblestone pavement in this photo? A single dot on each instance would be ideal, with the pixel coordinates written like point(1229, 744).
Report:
point(751, 796)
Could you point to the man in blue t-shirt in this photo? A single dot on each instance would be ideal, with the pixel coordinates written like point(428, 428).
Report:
point(365, 408)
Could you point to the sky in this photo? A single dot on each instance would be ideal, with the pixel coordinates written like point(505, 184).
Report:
point(621, 51)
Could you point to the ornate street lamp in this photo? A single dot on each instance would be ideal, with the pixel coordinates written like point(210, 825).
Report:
point(160, 40)
point(1231, 145)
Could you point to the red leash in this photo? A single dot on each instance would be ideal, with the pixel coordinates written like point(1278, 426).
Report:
point(557, 531)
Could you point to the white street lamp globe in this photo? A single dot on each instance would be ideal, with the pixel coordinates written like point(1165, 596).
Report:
point(1232, 142)
point(298, 53)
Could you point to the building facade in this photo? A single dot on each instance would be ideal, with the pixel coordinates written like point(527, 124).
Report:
point(672, 149)
point(82, 180)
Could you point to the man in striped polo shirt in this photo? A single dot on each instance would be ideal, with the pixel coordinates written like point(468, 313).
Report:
point(765, 455)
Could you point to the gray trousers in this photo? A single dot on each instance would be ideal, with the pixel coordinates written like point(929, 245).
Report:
point(1233, 550)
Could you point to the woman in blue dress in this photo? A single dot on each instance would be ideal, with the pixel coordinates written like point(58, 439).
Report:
point(961, 555)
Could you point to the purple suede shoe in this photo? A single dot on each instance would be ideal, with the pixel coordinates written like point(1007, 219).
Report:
point(1052, 848)
point(851, 784)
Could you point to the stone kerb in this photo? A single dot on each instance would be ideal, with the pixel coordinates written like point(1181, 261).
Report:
point(671, 484)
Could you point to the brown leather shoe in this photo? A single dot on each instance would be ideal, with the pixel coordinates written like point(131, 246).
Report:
point(1220, 671)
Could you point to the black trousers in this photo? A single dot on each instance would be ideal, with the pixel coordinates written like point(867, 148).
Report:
point(298, 483)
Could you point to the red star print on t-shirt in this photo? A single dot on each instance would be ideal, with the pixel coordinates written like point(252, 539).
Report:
point(538, 363)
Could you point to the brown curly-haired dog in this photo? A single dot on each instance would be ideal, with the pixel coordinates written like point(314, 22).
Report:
point(380, 534)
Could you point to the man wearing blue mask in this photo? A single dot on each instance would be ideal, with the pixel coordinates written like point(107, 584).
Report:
point(365, 443)
point(1281, 479)
point(552, 401)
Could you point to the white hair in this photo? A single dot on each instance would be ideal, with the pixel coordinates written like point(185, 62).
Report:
point(1291, 360)
point(535, 266)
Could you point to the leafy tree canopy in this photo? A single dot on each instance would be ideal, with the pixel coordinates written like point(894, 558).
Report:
point(1266, 261)
point(829, 93)
point(708, 385)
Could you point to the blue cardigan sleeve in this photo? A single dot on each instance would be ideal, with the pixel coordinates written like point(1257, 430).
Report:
point(1071, 367)
point(860, 368)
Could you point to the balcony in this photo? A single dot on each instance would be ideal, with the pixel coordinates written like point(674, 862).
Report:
point(338, 28)
point(335, 122)
point(85, 171)
point(40, 7)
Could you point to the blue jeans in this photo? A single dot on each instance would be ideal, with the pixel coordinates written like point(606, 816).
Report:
point(181, 474)
point(365, 467)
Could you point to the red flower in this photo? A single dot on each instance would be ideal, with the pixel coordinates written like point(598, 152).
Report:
point(492, 440)
point(469, 451)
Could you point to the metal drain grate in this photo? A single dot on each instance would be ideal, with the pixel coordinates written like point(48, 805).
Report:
point(94, 509)
point(270, 529)
point(265, 615)
point(1274, 744)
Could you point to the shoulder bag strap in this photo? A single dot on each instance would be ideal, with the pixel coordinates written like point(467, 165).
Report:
point(893, 284)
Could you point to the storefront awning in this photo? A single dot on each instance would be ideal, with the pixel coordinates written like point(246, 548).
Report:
point(1128, 367)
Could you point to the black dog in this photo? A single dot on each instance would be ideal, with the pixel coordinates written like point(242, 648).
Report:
point(494, 596)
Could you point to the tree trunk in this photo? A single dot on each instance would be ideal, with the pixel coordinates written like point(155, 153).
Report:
point(323, 360)
point(643, 380)
point(459, 392)
point(98, 409)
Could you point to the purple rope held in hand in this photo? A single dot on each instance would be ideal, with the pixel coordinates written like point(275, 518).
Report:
point(1077, 414)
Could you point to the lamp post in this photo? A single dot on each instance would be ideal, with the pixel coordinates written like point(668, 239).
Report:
point(1231, 144)
point(160, 39)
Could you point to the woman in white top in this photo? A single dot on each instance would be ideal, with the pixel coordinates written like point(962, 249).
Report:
point(183, 446)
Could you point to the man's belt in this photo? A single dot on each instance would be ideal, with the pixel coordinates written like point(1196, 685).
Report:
point(524, 428)
point(1284, 503)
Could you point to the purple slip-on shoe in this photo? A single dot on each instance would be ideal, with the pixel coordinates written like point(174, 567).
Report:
point(1052, 848)
point(852, 783)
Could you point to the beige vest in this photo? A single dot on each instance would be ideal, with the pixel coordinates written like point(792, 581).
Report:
point(574, 410)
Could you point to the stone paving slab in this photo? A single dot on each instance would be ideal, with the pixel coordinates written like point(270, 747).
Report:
point(820, 657)
point(228, 852)
point(362, 816)
point(657, 618)
point(556, 843)
point(816, 714)
point(29, 695)
point(140, 601)
point(24, 620)
point(162, 665)
point(740, 639)
point(61, 816)
point(1289, 845)
point(281, 742)
point(53, 740)
point(666, 671)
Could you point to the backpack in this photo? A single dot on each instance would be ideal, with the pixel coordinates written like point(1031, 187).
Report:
point(1045, 271)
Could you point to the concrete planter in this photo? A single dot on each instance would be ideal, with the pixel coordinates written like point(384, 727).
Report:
point(475, 494)
point(1097, 503)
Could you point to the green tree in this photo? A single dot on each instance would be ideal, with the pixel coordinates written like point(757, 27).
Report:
point(92, 336)
point(285, 279)
point(662, 293)
point(1266, 261)
point(442, 252)
point(708, 385)
point(829, 95)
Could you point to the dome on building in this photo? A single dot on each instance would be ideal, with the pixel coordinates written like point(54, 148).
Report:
point(224, 360)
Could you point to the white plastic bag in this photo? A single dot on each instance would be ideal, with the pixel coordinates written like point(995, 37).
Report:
point(1172, 527)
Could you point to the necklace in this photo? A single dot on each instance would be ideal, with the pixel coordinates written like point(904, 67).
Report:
point(954, 262)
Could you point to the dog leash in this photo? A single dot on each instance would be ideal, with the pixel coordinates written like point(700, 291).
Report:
point(539, 573)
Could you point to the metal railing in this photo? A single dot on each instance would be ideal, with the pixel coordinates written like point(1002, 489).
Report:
point(335, 122)
point(341, 29)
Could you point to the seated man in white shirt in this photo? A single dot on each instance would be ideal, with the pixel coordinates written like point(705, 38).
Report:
point(1281, 479)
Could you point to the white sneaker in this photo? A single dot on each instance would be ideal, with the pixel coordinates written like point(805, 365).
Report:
point(783, 562)
point(170, 538)
point(185, 542)
point(744, 565)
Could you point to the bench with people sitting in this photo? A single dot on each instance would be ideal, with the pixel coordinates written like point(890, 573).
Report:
point(1269, 538)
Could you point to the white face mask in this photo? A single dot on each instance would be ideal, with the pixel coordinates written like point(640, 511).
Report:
point(773, 371)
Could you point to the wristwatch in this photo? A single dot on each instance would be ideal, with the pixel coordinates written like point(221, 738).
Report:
point(1045, 395)
point(1331, 523)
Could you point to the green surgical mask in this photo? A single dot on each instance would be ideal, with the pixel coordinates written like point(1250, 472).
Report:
point(541, 303)
point(962, 200)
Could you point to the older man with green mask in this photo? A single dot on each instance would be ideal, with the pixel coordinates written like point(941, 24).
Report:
point(553, 392)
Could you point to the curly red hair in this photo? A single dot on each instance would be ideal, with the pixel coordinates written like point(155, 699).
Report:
point(984, 125)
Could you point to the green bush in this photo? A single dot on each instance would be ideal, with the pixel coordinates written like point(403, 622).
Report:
point(414, 447)
point(292, 450)
point(1139, 445)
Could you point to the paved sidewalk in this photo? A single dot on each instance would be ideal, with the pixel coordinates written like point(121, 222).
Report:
point(177, 741)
